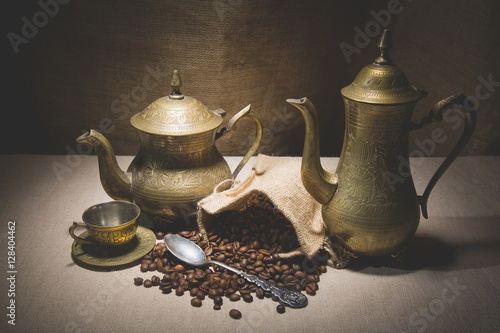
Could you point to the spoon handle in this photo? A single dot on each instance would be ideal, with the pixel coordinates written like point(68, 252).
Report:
point(289, 297)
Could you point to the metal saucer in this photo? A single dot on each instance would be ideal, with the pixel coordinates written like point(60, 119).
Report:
point(96, 255)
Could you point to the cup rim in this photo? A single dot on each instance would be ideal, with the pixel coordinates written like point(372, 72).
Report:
point(118, 202)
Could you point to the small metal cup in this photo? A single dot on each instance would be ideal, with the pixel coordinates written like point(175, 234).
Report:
point(111, 223)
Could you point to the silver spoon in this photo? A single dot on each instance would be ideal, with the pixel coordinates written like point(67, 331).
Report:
point(191, 253)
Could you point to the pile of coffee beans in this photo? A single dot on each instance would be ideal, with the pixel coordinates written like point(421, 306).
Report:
point(248, 239)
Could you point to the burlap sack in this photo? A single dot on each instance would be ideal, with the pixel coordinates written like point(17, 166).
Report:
point(279, 179)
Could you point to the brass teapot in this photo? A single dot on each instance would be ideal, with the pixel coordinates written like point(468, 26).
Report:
point(177, 163)
point(369, 206)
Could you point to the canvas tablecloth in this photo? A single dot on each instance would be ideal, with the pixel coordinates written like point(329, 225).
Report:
point(455, 289)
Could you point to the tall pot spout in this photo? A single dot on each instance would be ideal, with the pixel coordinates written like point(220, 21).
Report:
point(318, 182)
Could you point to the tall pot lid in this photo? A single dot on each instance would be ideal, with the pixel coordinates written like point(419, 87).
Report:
point(382, 82)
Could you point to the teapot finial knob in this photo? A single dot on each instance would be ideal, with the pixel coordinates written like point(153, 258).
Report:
point(176, 83)
point(384, 44)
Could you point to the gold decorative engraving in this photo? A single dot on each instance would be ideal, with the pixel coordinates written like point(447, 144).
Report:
point(363, 179)
point(115, 237)
point(96, 255)
point(176, 116)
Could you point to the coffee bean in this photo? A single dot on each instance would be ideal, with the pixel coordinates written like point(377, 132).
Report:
point(260, 293)
point(193, 292)
point(218, 300)
point(155, 280)
point(160, 235)
point(208, 251)
point(280, 308)
point(205, 286)
point(190, 277)
point(314, 286)
point(138, 281)
point(310, 291)
point(179, 291)
point(166, 289)
point(265, 252)
point(235, 314)
point(243, 262)
point(212, 293)
point(147, 283)
point(196, 302)
point(311, 278)
point(179, 268)
point(243, 249)
point(217, 307)
point(277, 268)
point(247, 298)
point(234, 297)
point(233, 284)
point(144, 267)
point(200, 294)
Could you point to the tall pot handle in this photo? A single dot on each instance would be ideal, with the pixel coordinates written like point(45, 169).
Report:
point(436, 115)
point(246, 112)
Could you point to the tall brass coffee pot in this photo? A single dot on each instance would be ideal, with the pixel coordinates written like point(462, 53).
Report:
point(370, 206)
point(178, 163)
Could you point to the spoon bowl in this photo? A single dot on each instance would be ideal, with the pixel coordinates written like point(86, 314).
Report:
point(185, 250)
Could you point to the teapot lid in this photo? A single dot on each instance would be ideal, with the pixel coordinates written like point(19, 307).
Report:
point(381, 82)
point(176, 114)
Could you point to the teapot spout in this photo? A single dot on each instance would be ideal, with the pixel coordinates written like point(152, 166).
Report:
point(317, 181)
point(115, 182)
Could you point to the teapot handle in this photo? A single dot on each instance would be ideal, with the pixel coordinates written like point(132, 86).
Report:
point(436, 115)
point(247, 112)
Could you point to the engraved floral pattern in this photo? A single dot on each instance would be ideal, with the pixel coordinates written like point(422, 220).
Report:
point(181, 173)
point(363, 180)
point(176, 116)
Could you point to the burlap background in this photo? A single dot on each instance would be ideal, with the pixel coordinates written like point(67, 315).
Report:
point(89, 66)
